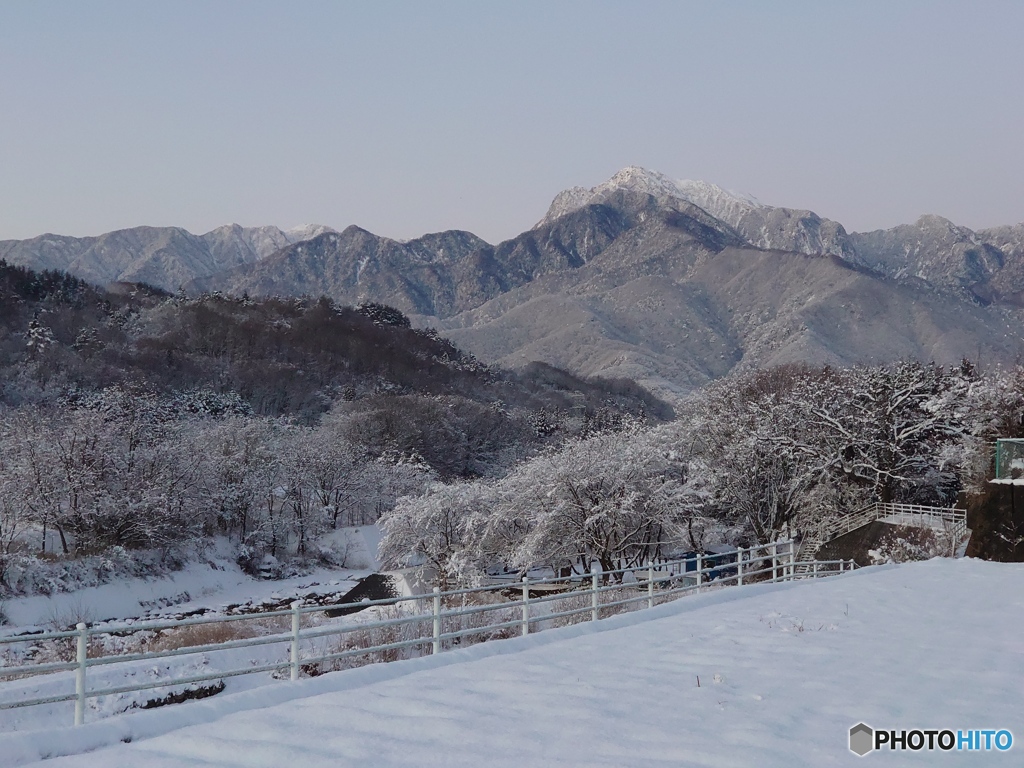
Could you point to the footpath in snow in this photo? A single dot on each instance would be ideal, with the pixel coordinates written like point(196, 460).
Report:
point(784, 672)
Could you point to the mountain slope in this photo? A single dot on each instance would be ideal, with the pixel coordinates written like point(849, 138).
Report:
point(673, 312)
point(739, 308)
point(933, 249)
point(355, 265)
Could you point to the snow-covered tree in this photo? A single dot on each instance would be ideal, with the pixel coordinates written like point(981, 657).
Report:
point(431, 530)
point(615, 499)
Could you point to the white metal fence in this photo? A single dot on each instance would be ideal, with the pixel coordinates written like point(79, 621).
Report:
point(939, 518)
point(384, 630)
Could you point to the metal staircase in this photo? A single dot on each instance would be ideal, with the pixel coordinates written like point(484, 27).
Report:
point(937, 518)
point(809, 546)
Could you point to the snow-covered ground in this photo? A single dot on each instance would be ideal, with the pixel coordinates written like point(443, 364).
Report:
point(209, 583)
point(197, 586)
point(213, 586)
point(784, 672)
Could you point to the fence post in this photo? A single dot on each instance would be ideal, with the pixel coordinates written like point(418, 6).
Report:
point(526, 606)
point(700, 569)
point(295, 640)
point(775, 561)
point(81, 655)
point(814, 568)
point(792, 560)
point(739, 566)
point(437, 620)
point(593, 594)
point(650, 584)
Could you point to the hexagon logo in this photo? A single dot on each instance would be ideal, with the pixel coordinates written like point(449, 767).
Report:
point(862, 739)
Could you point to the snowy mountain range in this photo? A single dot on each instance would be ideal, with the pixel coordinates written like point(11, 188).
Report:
point(166, 257)
point(670, 282)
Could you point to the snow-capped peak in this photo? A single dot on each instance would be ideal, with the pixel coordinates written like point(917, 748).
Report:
point(715, 200)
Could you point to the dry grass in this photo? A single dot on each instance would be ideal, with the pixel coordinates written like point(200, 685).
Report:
point(145, 641)
point(501, 611)
point(215, 633)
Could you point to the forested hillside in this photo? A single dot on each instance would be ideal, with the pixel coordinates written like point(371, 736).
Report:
point(131, 418)
point(295, 356)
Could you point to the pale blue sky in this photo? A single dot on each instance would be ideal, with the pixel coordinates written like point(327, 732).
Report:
point(412, 117)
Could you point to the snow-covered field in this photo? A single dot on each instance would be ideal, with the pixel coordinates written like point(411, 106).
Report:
point(784, 671)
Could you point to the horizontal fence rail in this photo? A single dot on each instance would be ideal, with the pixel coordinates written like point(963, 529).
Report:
point(307, 643)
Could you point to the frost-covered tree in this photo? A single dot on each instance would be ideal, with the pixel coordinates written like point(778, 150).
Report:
point(100, 480)
point(794, 445)
point(751, 458)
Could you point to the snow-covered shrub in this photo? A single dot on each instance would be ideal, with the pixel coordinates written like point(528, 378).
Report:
point(69, 613)
point(31, 575)
point(353, 641)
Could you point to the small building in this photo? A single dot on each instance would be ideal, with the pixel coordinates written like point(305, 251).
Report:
point(1009, 461)
point(998, 517)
